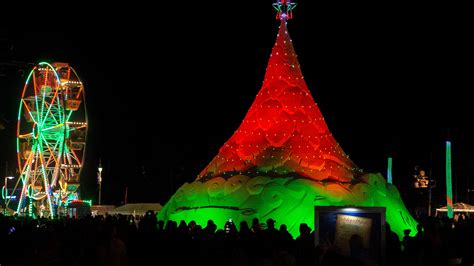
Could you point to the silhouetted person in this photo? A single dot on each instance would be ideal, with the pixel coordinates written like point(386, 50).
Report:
point(393, 247)
point(284, 234)
point(271, 231)
point(305, 250)
point(359, 252)
point(245, 232)
point(256, 228)
point(210, 229)
point(285, 238)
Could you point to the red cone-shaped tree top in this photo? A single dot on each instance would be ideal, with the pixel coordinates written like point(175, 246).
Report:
point(284, 130)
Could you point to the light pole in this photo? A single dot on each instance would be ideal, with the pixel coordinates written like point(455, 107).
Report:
point(430, 186)
point(5, 188)
point(5, 194)
point(100, 181)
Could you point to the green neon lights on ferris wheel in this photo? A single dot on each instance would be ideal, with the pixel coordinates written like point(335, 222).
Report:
point(19, 111)
point(45, 180)
point(23, 178)
point(46, 63)
point(54, 96)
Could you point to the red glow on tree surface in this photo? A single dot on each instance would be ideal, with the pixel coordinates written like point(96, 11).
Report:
point(284, 130)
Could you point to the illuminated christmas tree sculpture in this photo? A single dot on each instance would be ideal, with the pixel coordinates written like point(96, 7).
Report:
point(282, 160)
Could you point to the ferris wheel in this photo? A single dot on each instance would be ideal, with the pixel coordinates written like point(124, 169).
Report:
point(51, 139)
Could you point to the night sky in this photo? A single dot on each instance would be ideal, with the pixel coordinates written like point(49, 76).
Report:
point(166, 88)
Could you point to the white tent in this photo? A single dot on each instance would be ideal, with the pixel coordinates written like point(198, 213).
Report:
point(101, 209)
point(137, 208)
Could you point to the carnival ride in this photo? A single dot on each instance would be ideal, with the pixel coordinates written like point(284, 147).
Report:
point(51, 139)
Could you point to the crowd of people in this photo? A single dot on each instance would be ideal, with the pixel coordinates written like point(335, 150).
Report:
point(129, 240)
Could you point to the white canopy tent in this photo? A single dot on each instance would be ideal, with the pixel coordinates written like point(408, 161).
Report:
point(136, 208)
point(101, 209)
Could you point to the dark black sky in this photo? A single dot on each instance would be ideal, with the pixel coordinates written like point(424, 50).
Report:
point(167, 86)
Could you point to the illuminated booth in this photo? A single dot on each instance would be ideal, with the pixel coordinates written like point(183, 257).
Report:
point(460, 210)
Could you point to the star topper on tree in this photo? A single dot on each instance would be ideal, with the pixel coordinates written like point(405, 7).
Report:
point(284, 9)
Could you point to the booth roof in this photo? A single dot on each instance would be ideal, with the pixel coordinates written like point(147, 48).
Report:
point(138, 208)
point(458, 207)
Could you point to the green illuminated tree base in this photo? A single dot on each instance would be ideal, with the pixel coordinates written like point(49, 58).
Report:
point(288, 200)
